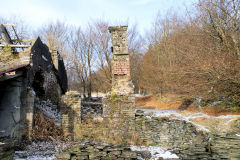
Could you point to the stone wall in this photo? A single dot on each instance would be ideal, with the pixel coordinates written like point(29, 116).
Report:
point(123, 127)
point(70, 108)
point(41, 60)
point(93, 151)
point(7, 149)
point(10, 110)
point(62, 74)
point(42, 63)
point(118, 106)
point(118, 113)
point(184, 139)
point(60, 67)
point(51, 87)
point(27, 112)
point(225, 146)
point(16, 107)
point(172, 134)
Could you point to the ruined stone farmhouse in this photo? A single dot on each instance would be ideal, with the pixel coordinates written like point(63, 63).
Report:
point(121, 123)
point(29, 73)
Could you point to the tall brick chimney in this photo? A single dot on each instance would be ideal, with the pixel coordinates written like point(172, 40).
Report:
point(121, 80)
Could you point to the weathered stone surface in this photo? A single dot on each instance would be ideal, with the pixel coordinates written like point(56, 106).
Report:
point(121, 81)
point(71, 113)
point(90, 151)
point(225, 145)
point(172, 134)
point(7, 149)
point(118, 113)
point(117, 106)
point(119, 39)
point(35, 78)
point(64, 155)
point(60, 67)
point(184, 139)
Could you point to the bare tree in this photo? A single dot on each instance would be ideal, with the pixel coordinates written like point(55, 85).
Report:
point(103, 52)
point(136, 47)
point(55, 34)
point(77, 59)
point(221, 20)
point(81, 57)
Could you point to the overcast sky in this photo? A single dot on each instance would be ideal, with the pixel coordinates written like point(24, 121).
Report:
point(79, 12)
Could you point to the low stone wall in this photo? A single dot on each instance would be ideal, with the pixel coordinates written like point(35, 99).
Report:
point(184, 139)
point(177, 135)
point(120, 125)
point(98, 151)
point(7, 149)
point(225, 146)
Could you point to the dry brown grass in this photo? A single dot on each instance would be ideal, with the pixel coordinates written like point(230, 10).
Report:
point(45, 128)
point(155, 102)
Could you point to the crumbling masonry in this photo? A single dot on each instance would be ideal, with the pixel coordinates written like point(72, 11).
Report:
point(27, 76)
point(118, 106)
point(121, 80)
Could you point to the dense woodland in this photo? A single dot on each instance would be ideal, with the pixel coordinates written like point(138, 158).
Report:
point(195, 55)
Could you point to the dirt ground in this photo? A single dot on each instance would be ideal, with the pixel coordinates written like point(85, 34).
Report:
point(155, 102)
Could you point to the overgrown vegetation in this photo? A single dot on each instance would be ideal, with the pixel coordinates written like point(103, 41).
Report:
point(5, 50)
point(6, 53)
